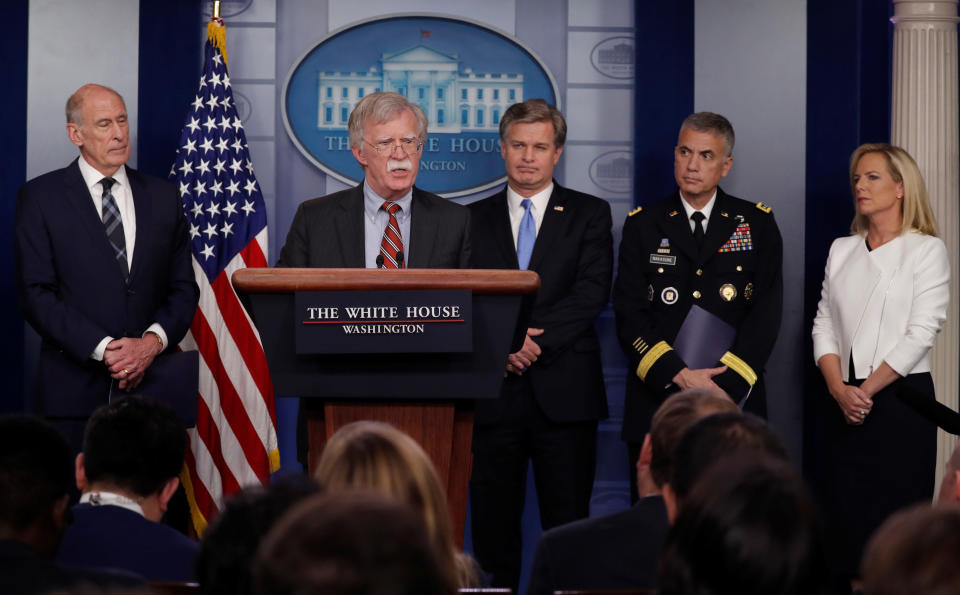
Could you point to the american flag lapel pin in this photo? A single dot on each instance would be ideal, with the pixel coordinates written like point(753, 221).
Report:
point(558, 208)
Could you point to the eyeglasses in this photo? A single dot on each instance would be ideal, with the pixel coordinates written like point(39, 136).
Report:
point(387, 146)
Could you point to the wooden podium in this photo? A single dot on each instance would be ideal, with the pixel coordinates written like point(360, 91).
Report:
point(427, 395)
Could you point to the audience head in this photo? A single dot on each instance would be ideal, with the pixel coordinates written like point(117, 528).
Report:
point(915, 551)
point(350, 543)
point(709, 440)
point(747, 528)
point(915, 209)
point(370, 455)
point(36, 474)
point(673, 418)
point(229, 545)
point(133, 446)
point(950, 486)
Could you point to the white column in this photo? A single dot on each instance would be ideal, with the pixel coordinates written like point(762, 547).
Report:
point(925, 123)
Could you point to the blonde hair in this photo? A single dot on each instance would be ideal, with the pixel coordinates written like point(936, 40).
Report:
point(915, 209)
point(375, 456)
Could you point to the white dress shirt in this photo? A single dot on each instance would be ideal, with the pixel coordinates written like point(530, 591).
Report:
point(537, 208)
point(706, 210)
point(123, 194)
point(886, 304)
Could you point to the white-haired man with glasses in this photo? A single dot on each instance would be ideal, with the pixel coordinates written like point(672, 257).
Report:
point(385, 221)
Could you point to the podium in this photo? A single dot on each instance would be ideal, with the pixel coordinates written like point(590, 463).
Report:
point(427, 395)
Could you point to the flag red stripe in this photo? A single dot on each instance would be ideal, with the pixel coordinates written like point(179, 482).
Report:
point(230, 402)
point(201, 496)
point(246, 341)
point(253, 255)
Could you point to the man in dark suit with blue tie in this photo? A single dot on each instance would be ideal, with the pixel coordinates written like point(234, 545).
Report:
point(103, 266)
point(553, 393)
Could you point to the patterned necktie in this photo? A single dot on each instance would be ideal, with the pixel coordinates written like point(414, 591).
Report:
point(391, 246)
point(698, 218)
point(113, 225)
point(526, 236)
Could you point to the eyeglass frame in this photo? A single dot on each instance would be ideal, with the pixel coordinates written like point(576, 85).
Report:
point(402, 143)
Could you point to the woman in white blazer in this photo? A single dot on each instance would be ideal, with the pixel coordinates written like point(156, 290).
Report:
point(884, 299)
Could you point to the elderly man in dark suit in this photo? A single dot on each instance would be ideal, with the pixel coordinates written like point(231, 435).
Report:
point(384, 222)
point(103, 266)
point(553, 394)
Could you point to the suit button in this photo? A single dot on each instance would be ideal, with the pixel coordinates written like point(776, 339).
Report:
point(696, 294)
point(659, 269)
point(131, 292)
point(699, 272)
point(739, 268)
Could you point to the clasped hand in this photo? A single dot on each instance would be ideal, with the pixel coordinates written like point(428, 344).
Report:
point(853, 401)
point(128, 359)
point(518, 362)
point(698, 378)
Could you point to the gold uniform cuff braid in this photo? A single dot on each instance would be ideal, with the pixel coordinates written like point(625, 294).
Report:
point(655, 353)
point(740, 367)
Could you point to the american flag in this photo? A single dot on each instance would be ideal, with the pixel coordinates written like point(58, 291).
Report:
point(235, 441)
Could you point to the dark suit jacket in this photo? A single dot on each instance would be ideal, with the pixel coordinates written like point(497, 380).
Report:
point(73, 292)
point(573, 255)
point(736, 275)
point(327, 232)
point(114, 537)
point(616, 551)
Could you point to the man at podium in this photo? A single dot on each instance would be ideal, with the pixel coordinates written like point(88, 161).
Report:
point(553, 394)
point(385, 221)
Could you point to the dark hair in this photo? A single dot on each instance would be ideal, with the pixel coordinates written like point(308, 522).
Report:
point(134, 443)
point(350, 543)
point(36, 470)
point(749, 528)
point(915, 551)
point(714, 124)
point(535, 110)
point(717, 437)
point(674, 417)
point(229, 545)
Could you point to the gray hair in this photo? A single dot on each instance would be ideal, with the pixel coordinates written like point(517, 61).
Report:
point(535, 110)
point(75, 103)
point(379, 108)
point(712, 123)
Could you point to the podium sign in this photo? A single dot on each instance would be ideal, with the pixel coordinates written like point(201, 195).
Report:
point(413, 321)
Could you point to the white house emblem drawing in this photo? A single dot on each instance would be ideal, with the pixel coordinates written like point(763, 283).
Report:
point(463, 74)
point(454, 100)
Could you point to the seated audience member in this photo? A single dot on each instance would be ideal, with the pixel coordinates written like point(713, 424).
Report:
point(747, 527)
point(950, 486)
point(915, 551)
point(709, 440)
point(229, 545)
point(350, 543)
point(620, 550)
point(35, 478)
point(369, 455)
point(133, 449)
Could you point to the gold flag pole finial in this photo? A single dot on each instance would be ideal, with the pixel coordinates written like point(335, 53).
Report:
point(216, 9)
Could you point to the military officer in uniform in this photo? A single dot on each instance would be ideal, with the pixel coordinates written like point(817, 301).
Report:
point(701, 247)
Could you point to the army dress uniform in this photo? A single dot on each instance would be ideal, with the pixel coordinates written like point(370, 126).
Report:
point(736, 275)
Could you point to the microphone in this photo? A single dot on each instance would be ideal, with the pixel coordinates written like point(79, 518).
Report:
point(379, 261)
point(399, 260)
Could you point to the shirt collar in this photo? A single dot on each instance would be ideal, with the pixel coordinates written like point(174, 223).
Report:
point(373, 201)
point(706, 210)
point(100, 498)
point(539, 200)
point(92, 177)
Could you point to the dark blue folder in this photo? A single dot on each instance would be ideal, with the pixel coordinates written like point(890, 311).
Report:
point(703, 339)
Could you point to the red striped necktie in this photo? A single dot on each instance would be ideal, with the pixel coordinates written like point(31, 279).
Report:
point(391, 246)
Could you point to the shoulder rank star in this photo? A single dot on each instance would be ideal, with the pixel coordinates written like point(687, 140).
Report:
point(763, 207)
point(634, 212)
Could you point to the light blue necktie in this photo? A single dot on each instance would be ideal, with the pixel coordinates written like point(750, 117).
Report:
point(526, 236)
